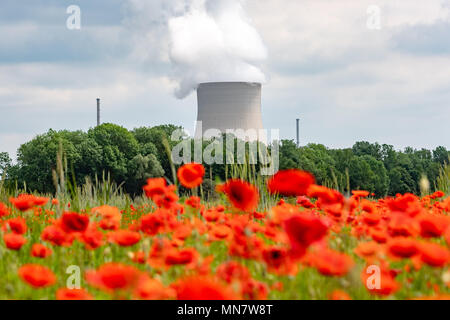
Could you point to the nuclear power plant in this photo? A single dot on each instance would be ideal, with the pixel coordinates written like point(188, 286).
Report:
point(225, 106)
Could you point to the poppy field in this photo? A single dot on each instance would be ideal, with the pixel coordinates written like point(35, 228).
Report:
point(283, 238)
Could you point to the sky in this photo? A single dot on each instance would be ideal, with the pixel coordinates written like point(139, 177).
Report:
point(346, 74)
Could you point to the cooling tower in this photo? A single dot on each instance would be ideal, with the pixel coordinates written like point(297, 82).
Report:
point(226, 106)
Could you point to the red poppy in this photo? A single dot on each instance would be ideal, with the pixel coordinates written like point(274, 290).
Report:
point(92, 237)
point(434, 254)
point(40, 201)
point(57, 236)
point(402, 247)
point(340, 295)
point(331, 263)
point(183, 256)
point(113, 276)
point(153, 289)
point(111, 217)
point(23, 202)
point(325, 195)
point(74, 222)
point(385, 285)
point(155, 186)
point(231, 271)
point(125, 238)
point(291, 182)
point(40, 251)
point(433, 225)
point(191, 175)
point(4, 211)
point(303, 230)
point(278, 261)
point(203, 288)
point(193, 202)
point(14, 241)
point(305, 202)
point(37, 275)
point(17, 225)
point(241, 194)
point(72, 294)
point(360, 193)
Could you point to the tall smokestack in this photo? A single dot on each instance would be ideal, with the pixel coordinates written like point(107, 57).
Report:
point(298, 133)
point(225, 106)
point(98, 111)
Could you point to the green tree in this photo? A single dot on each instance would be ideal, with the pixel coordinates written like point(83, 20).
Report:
point(368, 173)
point(5, 163)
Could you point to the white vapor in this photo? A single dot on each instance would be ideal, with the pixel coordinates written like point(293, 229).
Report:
point(204, 40)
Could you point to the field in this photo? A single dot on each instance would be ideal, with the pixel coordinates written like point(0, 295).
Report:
point(279, 238)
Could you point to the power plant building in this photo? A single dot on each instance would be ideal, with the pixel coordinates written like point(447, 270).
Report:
point(225, 106)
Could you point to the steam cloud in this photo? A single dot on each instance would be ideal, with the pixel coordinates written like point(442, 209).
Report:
point(213, 40)
point(204, 40)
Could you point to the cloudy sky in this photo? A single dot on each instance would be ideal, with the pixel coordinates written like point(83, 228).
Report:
point(327, 64)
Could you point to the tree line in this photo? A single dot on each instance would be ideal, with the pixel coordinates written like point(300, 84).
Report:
point(132, 156)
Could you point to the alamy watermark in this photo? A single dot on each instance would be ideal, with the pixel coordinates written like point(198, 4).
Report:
point(373, 17)
point(234, 146)
point(373, 282)
point(73, 22)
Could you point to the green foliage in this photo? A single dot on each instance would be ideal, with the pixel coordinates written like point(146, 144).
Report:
point(130, 157)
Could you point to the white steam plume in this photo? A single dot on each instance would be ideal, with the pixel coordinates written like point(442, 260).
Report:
point(213, 40)
point(204, 40)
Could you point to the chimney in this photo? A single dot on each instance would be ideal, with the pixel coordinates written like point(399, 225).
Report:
point(298, 133)
point(98, 111)
point(224, 106)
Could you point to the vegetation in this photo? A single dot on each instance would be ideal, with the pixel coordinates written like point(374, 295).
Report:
point(130, 157)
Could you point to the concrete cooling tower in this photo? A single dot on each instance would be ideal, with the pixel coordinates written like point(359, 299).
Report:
point(228, 106)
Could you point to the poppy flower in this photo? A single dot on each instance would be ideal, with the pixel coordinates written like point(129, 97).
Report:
point(407, 203)
point(37, 276)
point(331, 263)
point(231, 271)
point(152, 289)
point(168, 199)
point(402, 247)
point(111, 217)
point(92, 237)
point(382, 284)
point(178, 257)
point(72, 294)
point(155, 186)
point(278, 261)
point(292, 182)
point(254, 290)
point(193, 202)
point(203, 288)
point(434, 254)
point(125, 238)
point(367, 249)
point(4, 211)
point(14, 241)
point(303, 230)
point(191, 175)
point(74, 222)
point(56, 236)
point(40, 251)
point(23, 202)
point(113, 276)
point(40, 201)
point(241, 194)
point(325, 195)
point(339, 295)
point(360, 193)
point(305, 202)
point(433, 225)
point(17, 225)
